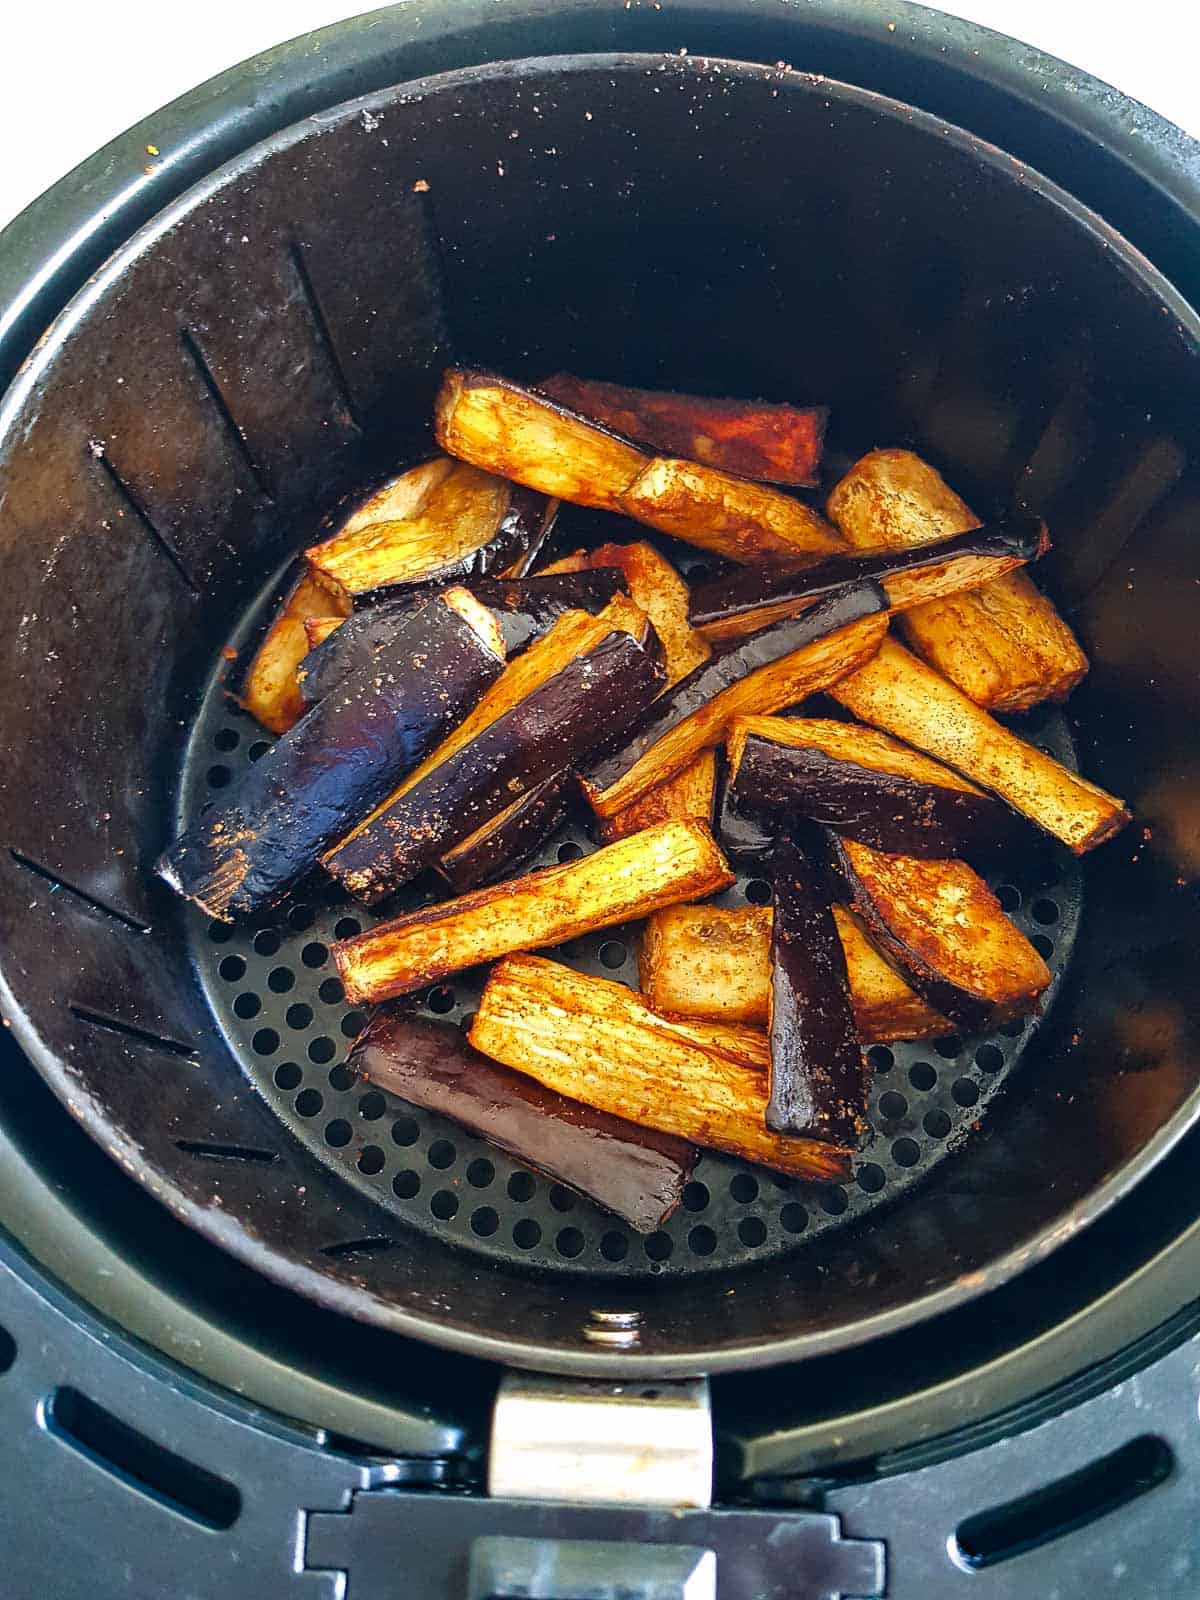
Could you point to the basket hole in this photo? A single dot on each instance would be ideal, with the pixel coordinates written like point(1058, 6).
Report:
point(338, 1132)
point(871, 1177)
point(346, 928)
point(569, 1242)
point(342, 1076)
point(1013, 1029)
point(441, 999)
point(484, 1222)
point(948, 1048)
point(405, 1131)
point(300, 917)
point(227, 739)
point(353, 1023)
point(936, 1124)
point(906, 1152)
point(892, 1105)
point(331, 991)
point(247, 1005)
point(743, 1188)
point(614, 1246)
point(280, 980)
point(322, 1049)
point(570, 851)
point(964, 1092)
point(406, 1184)
point(266, 942)
point(695, 1197)
point(1008, 896)
point(752, 1231)
point(265, 1042)
point(299, 1016)
point(441, 1154)
point(658, 1246)
point(561, 1199)
point(527, 1234)
point(702, 1241)
point(480, 1173)
point(372, 1106)
point(232, 968)
point(758, 892)
point(612, 954)
point(258, 749)
point(989, 1058)
point(444, 1205)
point(922, 1075)
point(220, 932)
point(370, 1160)
point(287, 1075)
point(793, 1218)
point(833, 1201)
point(1043, 946)
point(521, 1187)
point(218, 776)
point(314, 954)
point(880, 1058)
point(309, 1102)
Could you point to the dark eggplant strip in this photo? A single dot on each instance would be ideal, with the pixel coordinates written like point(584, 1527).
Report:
point(744, 837)
point(636, 1173)
point(1015, 539)
point(507, 840)
point(818, 1079)
point(555, 727)
point(338, 762)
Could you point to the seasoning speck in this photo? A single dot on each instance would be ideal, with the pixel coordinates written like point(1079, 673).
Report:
point(421, 186)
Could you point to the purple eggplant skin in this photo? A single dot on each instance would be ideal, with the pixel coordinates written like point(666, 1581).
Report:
point(748, 588)
point(847, 604)
point(899, 815)
point(503, 845)
point(636, 1173)
point(524, 608)
point(745, 838)
point(557, 726)
point(818, 1076)
point(339, 761)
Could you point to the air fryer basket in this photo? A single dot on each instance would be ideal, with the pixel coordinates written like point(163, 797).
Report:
point(275, 339)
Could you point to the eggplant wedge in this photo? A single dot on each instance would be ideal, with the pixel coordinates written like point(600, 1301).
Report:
point(632, 878)
point(744, 836)
point(317, 630)
point(549, 711)
point(507, 840)
point(715, 964)
point(866, 785)
point(729, 607)
point(468, 523)
point(743, 521)
point(752, 438)
point(636, 1173)
point(597, 1042)
point(337, 762)
point(689, 794)
point(1003, 644)
point(818, 1077)
point(946, 931)
point(270, 689)
point(505, 429)
point(662, 594)
point(896, 692)
point(524, 608)
point(762, 673)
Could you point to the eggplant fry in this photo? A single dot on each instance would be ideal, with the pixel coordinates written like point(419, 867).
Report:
point(818, 1076)
point(632, 878)
point(689, 794)
point(715, 964)
point(1004, 644)
point(662, 594)
point(944, 928)
point(765, 672)
point(318, 629)
point(587, 677)
point(910, 575)
point(866, 785)
point(636, 1173)
point(744, 837)
point(904, 697)
point(270, 690)
point(337, 762)
point(508, 839)
point(597, 1042)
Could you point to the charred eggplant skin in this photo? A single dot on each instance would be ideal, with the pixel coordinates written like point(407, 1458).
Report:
point(508, 840)
point(1018, 537)
point(818, 1084)
point(636, 1173)
point(330, 769)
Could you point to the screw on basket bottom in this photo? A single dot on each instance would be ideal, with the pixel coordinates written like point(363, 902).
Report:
point(276, 998)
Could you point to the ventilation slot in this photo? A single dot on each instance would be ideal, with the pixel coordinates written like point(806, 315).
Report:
point(118, 1449)
point(134, 505)
point(156, 1041)
point(240, 443)
point(88, 900)
point(359, 1247)
point(1009, 1530)
point(324, 336)
point(224, 1152)
point(8, 1350)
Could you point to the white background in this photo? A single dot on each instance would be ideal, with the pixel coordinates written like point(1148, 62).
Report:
point(74, 74)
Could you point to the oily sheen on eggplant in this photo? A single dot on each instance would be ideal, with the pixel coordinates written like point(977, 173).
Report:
point(505, 841)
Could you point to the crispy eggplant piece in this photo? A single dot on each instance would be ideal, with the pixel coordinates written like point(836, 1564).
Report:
point(911, 575)
point(1004, 644)
point(903, 696)
point(587, 677)
point(818, 1076)
point(636, 1173)
point(746, 522)
point(632, 878)
point(715, 964)
point(318, 629)
point(467, 524)
point(506, 840)
point(663, 596)
point(270, 691)
point(769, 670)
point(946, 931)
point(524, 609)
point(337, 762)
point(513, 431)
point(689, 794)
point(866, 785)
point(596, 1041)
point(753, 438)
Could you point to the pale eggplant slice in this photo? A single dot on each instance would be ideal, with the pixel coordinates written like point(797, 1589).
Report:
point(337, 762)
point(636, 1173)
point(317, 630)
point(689, 794)
point(741, 603)
point(714, 964)
point(818, 1076)
point(752, 438)
point(1003, 644)
point(524, 609)
point(597, 1042)
point(900, 694)
point(505, 841)
point(632, 878)
point(777, 667)
point(468, 523)
point(946, 931)
point(554, 705)
point(270, 688)
point(866, 785)
point(743, 521)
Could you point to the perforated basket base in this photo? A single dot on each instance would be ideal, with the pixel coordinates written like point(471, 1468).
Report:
point(276, 998)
